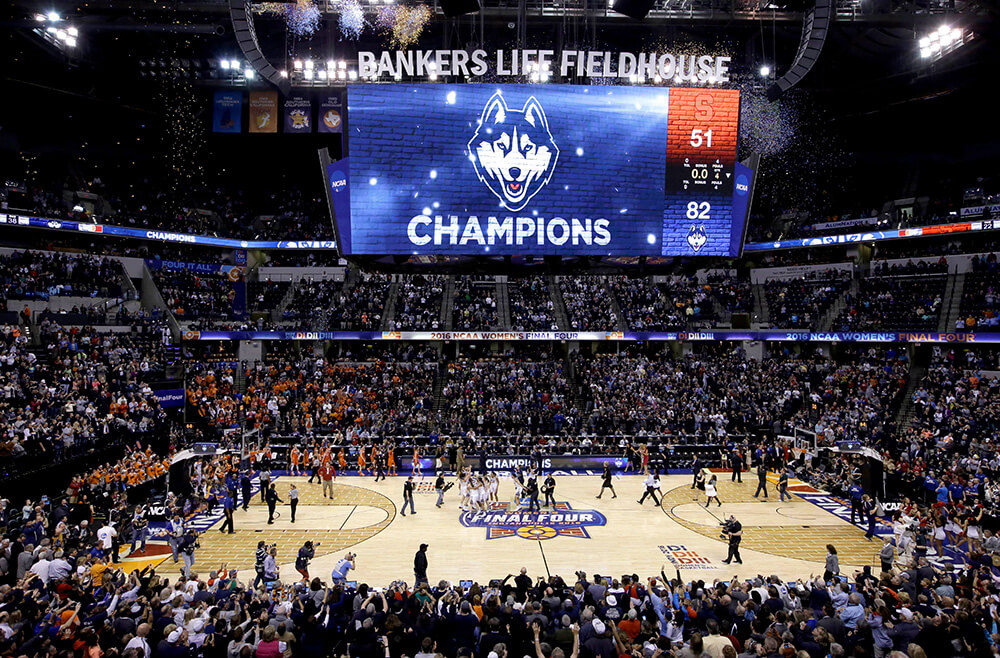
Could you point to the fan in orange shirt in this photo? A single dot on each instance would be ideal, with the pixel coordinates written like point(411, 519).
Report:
point(295, 458)
point(341, 460)
point(391, 459)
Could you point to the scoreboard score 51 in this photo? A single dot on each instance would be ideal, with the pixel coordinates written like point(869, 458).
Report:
point(540, 169)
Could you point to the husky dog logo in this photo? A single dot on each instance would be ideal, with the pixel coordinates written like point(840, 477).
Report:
point(697, 237)
point(513, 151)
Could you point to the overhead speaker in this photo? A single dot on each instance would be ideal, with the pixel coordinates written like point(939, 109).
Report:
point(636, 9)
point(452, 8)
point(815, 27)
point(241, 14)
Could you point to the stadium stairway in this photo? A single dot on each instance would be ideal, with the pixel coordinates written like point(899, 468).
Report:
point(830, 317)
point(278, 313)
point(503, 303)
point(448, 304)
point(389, 310)
point(620, 322)
point(558, 304)
point(760, 306)
point(951, 302)
point(905, 413)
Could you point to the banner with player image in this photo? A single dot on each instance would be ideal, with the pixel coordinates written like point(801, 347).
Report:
point(264, 112)
point(537, 169)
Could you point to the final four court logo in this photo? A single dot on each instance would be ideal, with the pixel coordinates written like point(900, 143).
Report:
point(502, 521)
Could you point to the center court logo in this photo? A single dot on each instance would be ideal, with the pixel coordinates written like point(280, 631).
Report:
point(513, 151)
point(502, 521)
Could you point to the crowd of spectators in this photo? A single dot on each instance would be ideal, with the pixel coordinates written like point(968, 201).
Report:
point(290, 214)
point(89, 389)
point(588, 303)
point(192, 296)
point(265, 296)
point(645, 306)
point(800, 303)
point(531, 306)
point(980, 304)
point(359, 307)
point(894, 303)
point(40, 275)
point(418, 302)
point(474, 304)
point(506, 395)
point(314, 395)
point(62, 596)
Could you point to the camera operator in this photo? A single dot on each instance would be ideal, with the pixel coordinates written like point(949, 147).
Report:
point(339, 575)
point(733, 531)
point(187, 545)
point(306, 553)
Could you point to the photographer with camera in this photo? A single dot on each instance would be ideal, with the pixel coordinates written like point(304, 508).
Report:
point(306, 553)
point(733, 531)
point(187, 546)
point(339, 575)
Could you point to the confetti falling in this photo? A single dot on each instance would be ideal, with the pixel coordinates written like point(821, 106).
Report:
point(352, 19)
point(301, 17)
point(403, 26)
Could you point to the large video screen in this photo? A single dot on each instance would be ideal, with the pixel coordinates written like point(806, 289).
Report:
point(539, 169)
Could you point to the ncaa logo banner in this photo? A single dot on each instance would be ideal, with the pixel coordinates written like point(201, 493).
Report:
point(519, 169)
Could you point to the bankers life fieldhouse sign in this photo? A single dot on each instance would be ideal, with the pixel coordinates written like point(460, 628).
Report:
point(429, 64)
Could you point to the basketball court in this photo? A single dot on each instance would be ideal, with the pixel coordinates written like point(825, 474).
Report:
point(610, 536)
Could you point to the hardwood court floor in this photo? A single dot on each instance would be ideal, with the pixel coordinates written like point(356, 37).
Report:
point(607, 536)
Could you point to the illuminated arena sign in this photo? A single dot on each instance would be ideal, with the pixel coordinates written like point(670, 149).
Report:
point(527, 169)
point(502, 521)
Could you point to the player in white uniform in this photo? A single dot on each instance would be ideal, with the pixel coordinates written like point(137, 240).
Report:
point(494, 487)
point(463, 490)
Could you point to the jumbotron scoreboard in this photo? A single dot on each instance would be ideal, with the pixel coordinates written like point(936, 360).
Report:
point(478, 169)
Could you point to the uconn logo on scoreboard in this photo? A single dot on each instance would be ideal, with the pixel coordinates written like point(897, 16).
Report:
point(513, 151)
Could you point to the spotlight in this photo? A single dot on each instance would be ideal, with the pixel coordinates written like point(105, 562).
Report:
point(765, 71)
point(321, 74)
point(71, 42)
point(307, 74)
point(284, 74)
point(54, 16)
point(224, 64)
point(234, 64)
point(309, 65)
point(40, 18)
point(249, 74)
point(297, 65)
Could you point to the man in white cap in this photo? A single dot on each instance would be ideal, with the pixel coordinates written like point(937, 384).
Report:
point(600, 645)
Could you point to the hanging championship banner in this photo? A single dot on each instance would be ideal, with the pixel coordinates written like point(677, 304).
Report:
point(263, 111)
point(331, 119)
point(298, 115)
point(227, 112)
